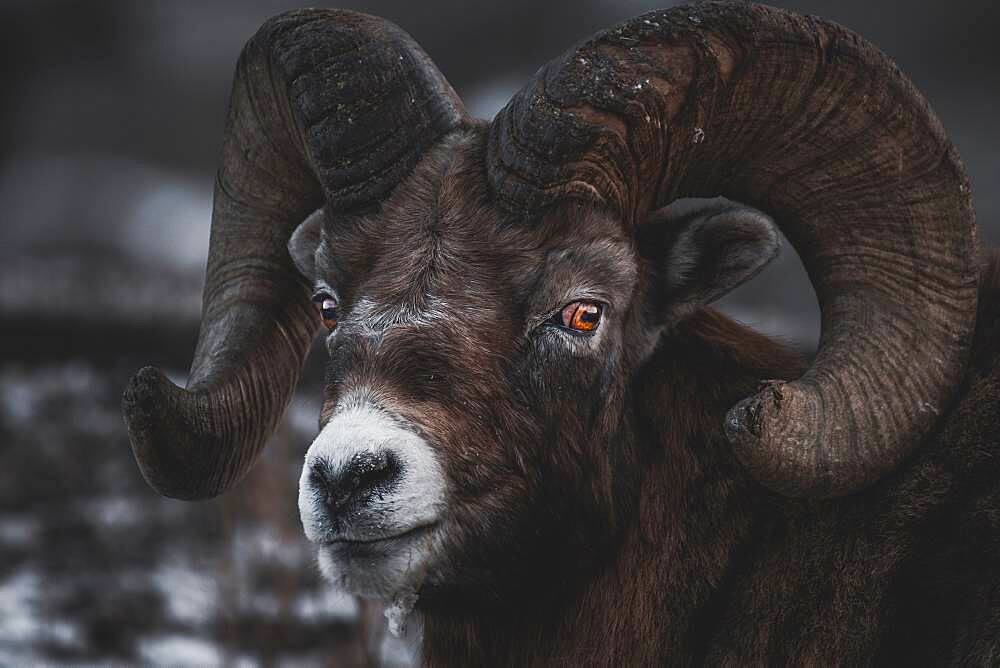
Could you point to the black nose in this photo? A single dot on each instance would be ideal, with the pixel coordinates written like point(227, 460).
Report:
point(365, 475)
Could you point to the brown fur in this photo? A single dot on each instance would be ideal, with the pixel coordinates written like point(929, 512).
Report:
point(596, 513)
point(716, 570)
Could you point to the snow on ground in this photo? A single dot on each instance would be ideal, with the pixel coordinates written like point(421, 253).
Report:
point(94, 567)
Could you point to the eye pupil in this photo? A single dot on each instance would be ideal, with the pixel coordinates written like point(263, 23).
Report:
point(581, 316)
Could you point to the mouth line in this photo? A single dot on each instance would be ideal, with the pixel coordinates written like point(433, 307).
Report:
point(347, 542)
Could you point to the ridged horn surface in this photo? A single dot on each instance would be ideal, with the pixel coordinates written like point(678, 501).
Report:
point(809, 122)
point(328, 108)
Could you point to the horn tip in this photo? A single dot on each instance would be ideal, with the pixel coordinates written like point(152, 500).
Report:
point(773, 435)
point(142, 405)
point(147, 403)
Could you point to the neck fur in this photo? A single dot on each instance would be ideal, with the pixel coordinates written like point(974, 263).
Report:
point(662, 588)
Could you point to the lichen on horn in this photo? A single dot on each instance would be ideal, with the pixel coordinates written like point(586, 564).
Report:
point(328, 108)
point(809, 122)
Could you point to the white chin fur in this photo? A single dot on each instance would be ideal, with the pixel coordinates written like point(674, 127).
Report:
point(383, 572)
point(397, 524)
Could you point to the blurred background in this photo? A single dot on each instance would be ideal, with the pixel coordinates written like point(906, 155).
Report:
point(110, 123)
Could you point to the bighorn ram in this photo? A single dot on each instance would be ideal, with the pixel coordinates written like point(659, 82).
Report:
point(531, 425)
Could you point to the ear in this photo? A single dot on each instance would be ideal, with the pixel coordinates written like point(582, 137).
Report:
point(304, 241)
point(701, 249)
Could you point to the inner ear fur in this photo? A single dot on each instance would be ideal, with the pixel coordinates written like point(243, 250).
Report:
point(701, 249)
point(304, 241)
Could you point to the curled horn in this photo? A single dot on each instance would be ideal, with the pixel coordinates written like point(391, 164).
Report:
point(327, 107)
point(806, 120)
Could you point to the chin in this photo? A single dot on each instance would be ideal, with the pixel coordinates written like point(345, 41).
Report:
point(384, 569)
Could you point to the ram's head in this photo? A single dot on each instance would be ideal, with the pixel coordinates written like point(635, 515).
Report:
point(491, 293)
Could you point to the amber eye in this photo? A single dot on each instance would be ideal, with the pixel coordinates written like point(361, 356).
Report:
point(327, 309)
point(581, 316)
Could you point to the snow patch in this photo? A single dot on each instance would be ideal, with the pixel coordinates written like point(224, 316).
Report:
point(19, 531)
point(326, 604)
point(178, 650)
point(191, 598)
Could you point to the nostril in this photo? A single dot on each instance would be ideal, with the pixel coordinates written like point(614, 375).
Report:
point(364, 475)
point(374, 471)
point(321, 476)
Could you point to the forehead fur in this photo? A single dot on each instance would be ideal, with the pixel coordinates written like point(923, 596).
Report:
point(439, 244)
point(440, 210)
